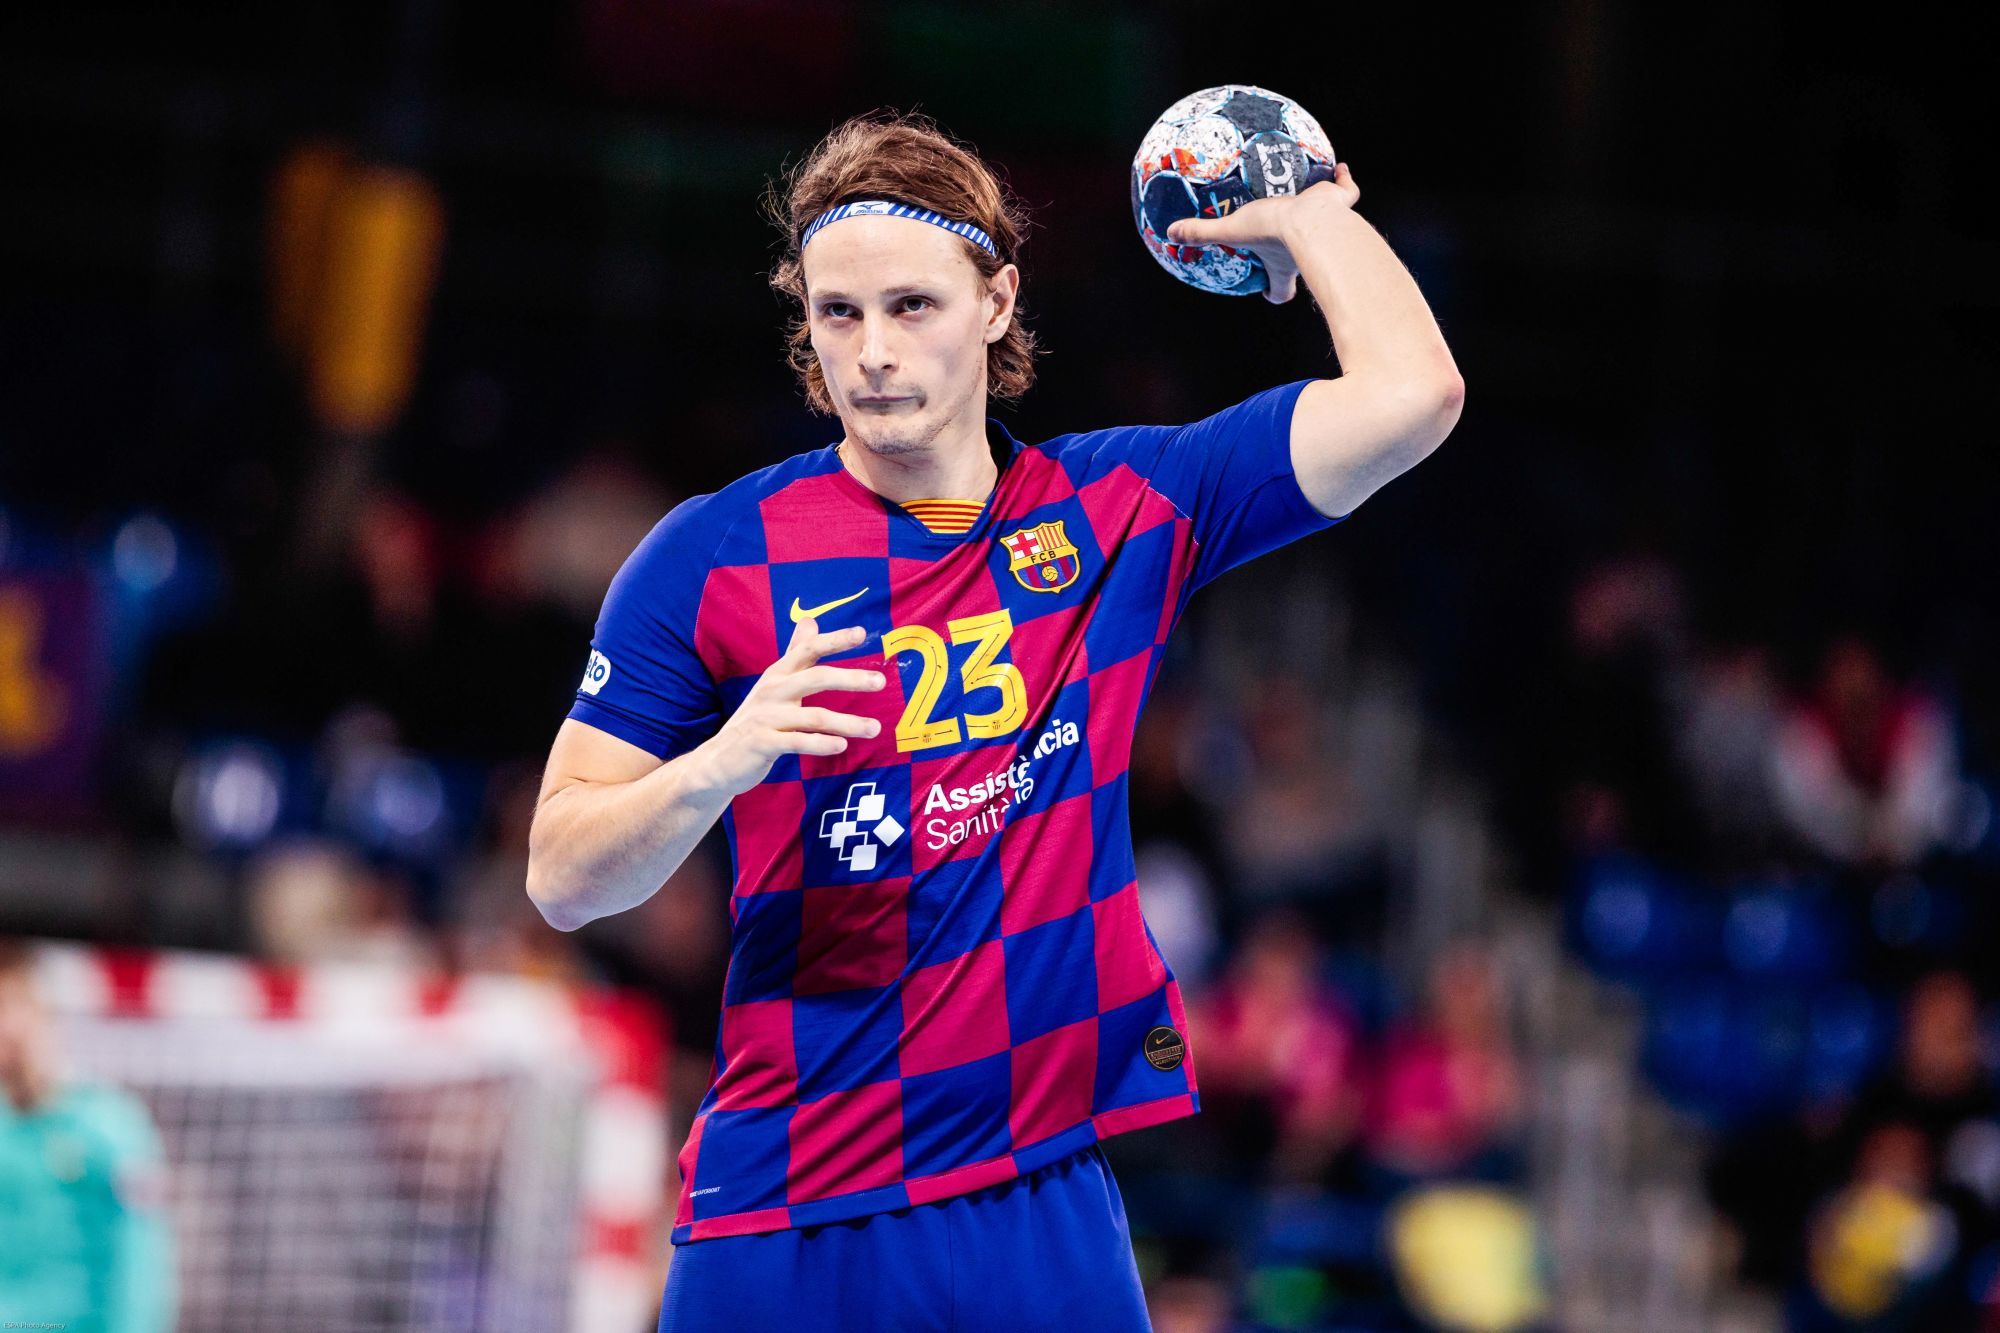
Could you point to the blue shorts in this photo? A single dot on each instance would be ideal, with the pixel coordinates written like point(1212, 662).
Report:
point(1046, 1250)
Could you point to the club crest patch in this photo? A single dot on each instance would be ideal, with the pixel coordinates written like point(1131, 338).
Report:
point(1042, 558)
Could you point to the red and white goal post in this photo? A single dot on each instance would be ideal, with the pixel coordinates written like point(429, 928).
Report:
point(356, 1147)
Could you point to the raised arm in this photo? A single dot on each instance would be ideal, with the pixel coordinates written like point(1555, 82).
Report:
point(1399, 391)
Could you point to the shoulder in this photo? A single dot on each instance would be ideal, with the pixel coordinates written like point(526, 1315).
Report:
point(1086, 455)
point(700, 529)
point(116, 1119)
point(1266, 412)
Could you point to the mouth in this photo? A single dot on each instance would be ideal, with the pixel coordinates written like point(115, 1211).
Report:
point(881, 401)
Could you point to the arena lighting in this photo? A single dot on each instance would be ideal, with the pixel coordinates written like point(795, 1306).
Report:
point(407, 799)
point(1618, 916)
point(388, 800)
point(1758, 930)
point(144, 554)
point(227, 796)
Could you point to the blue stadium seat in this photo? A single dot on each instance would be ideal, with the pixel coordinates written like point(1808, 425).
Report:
point(1337, 1229)
point(234, 794)
point(1723, 1050)
point(1634, 924)
point(1850, 1032)
point(1364, 983)
point(1785, 932)
point(1923, 917)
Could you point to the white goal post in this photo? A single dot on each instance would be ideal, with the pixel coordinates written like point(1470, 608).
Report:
point(353, 1148)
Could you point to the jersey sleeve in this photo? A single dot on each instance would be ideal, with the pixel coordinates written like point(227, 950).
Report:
point(1231, 474)
point(644, 682)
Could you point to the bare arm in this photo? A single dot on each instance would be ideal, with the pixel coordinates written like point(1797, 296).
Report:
point(1399, 392)
point(613, 822)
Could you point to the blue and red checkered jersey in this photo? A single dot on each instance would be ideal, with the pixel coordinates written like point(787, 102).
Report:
point(939, 975)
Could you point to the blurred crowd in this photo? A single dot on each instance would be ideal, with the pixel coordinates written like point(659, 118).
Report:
point(1726, 753)
point(1790, 855)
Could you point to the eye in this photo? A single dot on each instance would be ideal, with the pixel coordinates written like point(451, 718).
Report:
point(921, 300)
point(834, 309)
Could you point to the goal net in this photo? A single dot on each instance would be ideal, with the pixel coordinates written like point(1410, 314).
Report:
point(355, 1148)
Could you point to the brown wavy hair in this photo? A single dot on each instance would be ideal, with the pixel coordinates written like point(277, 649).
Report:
point(905, 157)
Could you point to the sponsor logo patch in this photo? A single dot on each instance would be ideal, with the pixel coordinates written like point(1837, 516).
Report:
point(596, 672)
point(860, 827)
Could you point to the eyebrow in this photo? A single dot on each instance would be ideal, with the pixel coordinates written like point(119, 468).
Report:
point(908, 289)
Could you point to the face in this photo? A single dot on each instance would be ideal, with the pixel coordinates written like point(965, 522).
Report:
point(24, 1033)
point(900, 320)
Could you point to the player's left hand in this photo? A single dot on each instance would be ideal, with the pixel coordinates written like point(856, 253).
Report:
point(1265, 227)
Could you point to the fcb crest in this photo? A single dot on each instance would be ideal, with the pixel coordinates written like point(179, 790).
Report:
point(1041, 558)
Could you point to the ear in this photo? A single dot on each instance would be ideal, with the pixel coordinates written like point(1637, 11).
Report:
point(1002, 290)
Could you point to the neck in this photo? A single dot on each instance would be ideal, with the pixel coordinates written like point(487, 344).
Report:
point(959, 464)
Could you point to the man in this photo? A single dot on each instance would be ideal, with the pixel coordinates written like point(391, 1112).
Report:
point(84, 1243)
point(941, 993)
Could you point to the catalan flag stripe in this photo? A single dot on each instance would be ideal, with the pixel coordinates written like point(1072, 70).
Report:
point(949, 516)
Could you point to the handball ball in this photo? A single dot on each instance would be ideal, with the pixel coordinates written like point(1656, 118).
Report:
point(1214, 151)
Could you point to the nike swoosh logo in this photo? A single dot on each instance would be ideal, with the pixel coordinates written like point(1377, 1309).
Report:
point(815, 612)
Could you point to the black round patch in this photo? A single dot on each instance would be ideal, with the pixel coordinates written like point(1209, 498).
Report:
point(1164, 1048)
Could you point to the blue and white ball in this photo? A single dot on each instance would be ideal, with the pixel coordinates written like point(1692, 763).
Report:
point(1214, 151)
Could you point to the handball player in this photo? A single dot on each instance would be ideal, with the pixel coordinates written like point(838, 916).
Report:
point(904, 671)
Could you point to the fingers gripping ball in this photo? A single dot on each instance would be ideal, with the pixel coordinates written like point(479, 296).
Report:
point(1214, 151)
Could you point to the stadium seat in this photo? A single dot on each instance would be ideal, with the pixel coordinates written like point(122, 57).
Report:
point(1785, 932)
point(1636, 925)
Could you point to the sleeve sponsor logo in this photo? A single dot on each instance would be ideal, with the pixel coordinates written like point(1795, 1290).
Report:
point(596, 672)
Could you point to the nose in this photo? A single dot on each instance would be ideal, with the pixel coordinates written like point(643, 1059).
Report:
point(876, 355)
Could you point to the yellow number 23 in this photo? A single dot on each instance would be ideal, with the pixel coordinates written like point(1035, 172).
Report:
point(917, 729)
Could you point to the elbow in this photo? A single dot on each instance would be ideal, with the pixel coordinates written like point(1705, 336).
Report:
point(1450, 400)
point(1437, 410)
point(559, 913)
point(1445, 398)
point(557, 908)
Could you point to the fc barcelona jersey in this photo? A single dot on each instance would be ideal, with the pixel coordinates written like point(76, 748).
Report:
point(939, 976)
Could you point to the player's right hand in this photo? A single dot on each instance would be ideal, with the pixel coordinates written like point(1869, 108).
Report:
point(771, 721)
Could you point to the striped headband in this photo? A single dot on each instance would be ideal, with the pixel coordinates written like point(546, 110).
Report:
point(889, 208)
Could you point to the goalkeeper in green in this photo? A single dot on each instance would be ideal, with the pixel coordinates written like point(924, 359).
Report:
point(84, 1242)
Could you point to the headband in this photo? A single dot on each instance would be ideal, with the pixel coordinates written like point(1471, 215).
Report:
point(890, 208)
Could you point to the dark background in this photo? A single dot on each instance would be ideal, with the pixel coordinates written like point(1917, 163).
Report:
point(1715, 282)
